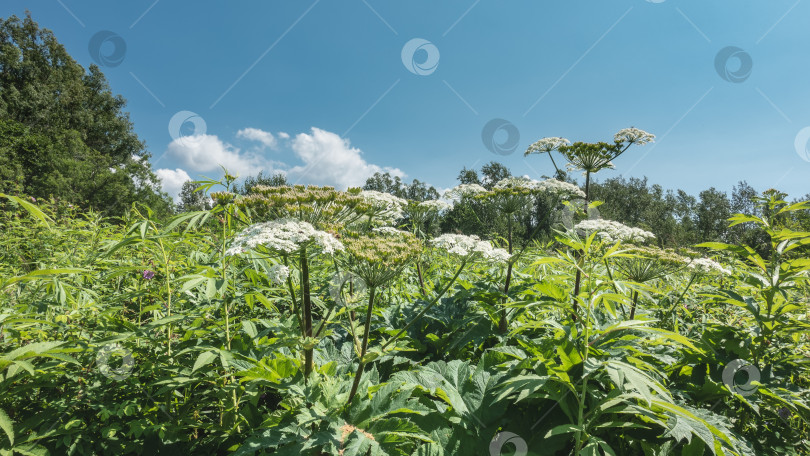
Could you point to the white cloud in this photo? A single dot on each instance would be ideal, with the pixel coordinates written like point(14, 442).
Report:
point(172, 181)
point(329, 160)
point(204, 153)
point(255, 134)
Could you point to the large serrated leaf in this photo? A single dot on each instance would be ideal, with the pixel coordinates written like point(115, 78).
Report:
point(7, 426)
point(204, 359)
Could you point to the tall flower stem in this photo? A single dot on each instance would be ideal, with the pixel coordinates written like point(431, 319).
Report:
point(578, 278)
point(294, 300)
point(168, 291)
point(364, 346)
point(582, 397)
point(503, 324)
point(559, 174)
point(633, 308)
point(307, 312)
point(225, 220)
point(421, 280)
point(226, 224)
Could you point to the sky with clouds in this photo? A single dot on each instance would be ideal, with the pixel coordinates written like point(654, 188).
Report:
point(330, 92)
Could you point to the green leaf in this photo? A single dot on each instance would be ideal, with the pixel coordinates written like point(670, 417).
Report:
point(204, 359)
point(192, 283)
point(7, 425)
point(250, 328)
point(31, 208)
point(562, 429)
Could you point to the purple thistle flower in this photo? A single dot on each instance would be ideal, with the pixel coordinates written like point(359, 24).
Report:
point(148, 275)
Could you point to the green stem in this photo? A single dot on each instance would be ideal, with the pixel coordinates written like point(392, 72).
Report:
point(364, 347)
point(421, 281)
point(294, 301)
point(559, 174)
point(225, 280)
point(226, 224)
point(578, 278)
point(168, 293)
point(633, 308)
point(307, 312)
point(503, 324)
point(582, 397)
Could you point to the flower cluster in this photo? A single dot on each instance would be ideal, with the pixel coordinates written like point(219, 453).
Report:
point(462, 190)
point(633, 136)
point(511, 195)
point(278, 273)
point(465, 246)
point(283, 236)
point(560, 187)
point(706, 265)
point(548, 185)
point(435, 205)
point(523, 183)
point(647, 263)
point(611, 231)
point(223, 198)
point(378, 259)
point(546, 145)
point(591, 157)
point(385, 205)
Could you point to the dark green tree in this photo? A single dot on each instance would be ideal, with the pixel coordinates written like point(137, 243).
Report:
point(192, 200)
point(62, 131)
point(386, 183)
point(713, 211)
point(273, 180)
point(492, 173)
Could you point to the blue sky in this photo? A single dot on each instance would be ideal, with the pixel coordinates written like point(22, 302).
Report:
point(320, 89)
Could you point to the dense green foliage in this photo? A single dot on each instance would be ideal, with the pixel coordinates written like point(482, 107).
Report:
point(62, 131)
point(146, 338)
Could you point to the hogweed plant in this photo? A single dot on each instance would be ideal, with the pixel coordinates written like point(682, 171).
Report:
point(611, 233)
point(292, 240)
point(376, 260)
point(590, 158)
point(698, 268)
point(465, 249)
